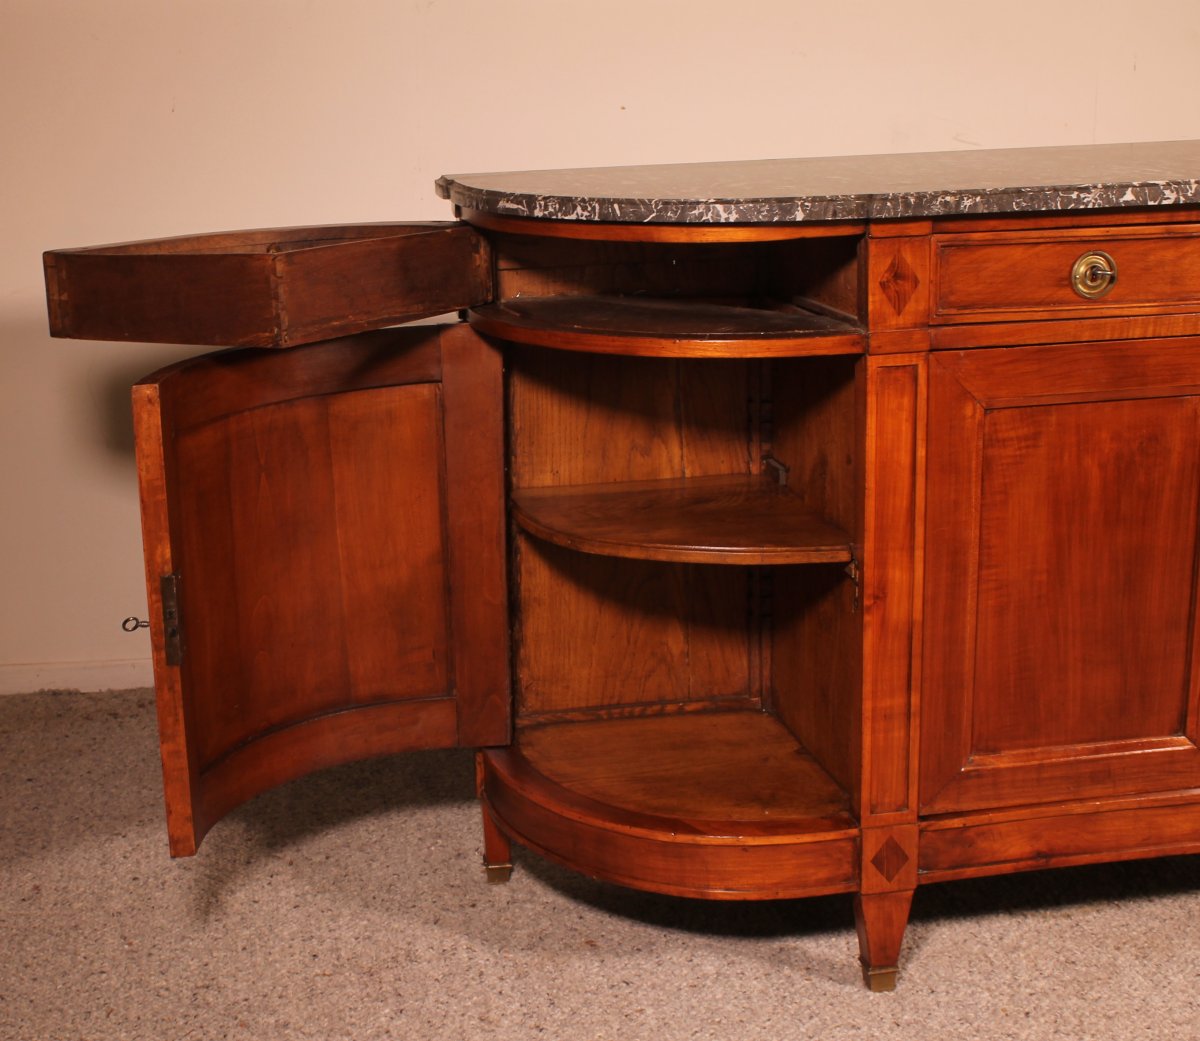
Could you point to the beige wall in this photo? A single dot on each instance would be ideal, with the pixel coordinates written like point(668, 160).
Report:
point(132, 118)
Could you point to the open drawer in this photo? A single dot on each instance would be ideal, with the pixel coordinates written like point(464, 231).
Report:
point(274, 287)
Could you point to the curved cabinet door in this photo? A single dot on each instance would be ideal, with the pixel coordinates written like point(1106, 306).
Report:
point(1060, 641)
point(325, 559)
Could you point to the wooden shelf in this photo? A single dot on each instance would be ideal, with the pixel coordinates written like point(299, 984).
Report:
point(668, 327)
point(721, 805)
point(740, 519)
point(723, 768)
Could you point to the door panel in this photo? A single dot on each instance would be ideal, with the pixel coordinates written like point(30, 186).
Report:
point(1064, 492)
point(312, 556)
point(1086, 510)
point(303, 501)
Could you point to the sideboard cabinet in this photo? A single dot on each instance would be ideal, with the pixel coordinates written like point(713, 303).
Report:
point(770, 531)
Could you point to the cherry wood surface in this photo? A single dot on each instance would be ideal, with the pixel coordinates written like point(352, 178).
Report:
point(1093, 330)
point(275, 287)
point(820, 274)
point(881, 918)
point(958, 639)
point(667, 327)
point(305, 520)
point(706, 233)
point(1100, 217)
point(714, 767)
point(717, 520)
point(598, 633)
point(724, 805)
point(816, 430)
point(994, 276)
point(593, 419)
point(1059, 835)
point(894, 507)
point(670, 633)
point(1064, 486)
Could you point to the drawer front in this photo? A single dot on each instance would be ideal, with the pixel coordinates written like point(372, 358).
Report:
point(1031, 275)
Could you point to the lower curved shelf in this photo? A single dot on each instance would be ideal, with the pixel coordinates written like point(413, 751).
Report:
point(717, 805)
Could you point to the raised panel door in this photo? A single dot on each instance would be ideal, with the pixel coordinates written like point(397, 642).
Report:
point(1063, 502)
point(325, 559)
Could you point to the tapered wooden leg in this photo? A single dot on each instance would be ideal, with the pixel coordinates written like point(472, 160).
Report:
point(497, 850)
point(881, 919)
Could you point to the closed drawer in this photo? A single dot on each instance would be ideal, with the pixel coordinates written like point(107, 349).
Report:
point(1029, 275)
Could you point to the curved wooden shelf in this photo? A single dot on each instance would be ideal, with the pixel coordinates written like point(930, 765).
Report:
point(720, 805)
point(740, 519)
point(676, 327)
point(611, 231)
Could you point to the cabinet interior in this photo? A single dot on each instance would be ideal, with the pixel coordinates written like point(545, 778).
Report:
point(789, 297)
point(603, 636)
point(820, 273)
point(683, 527)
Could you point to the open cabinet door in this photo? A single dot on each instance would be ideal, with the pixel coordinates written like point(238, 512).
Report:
point(324, 558)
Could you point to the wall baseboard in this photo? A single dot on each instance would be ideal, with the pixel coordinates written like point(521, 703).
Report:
point(24, 677)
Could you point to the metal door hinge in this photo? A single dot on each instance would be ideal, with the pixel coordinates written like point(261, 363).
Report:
point(172, 634)
point(855, 574)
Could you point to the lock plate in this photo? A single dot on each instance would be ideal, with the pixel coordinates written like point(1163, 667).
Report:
point(1094, 274)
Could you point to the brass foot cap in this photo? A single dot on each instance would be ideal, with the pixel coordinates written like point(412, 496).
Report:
point(880, 979)
point(497, 874)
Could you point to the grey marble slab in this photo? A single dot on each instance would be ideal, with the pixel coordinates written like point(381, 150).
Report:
point(875, 187)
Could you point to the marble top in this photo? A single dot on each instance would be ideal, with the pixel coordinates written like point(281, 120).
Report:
point(861, 187)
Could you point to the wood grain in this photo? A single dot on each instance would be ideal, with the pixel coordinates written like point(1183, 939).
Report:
point(716, 520)
point(612, 232)
point(1060, 835)
point(640, 802)
point(655, 632)
point(680, 328)
point(305, 518)
point(275, 287)
point(1063, 493)
point(664, 632)
point(1027, 275)
point(712, 767)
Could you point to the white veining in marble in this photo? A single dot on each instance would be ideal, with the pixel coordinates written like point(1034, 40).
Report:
point(879, 187)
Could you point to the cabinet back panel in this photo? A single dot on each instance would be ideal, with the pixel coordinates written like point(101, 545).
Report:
point(823, 270)
point(588, 419)
point(600, 632)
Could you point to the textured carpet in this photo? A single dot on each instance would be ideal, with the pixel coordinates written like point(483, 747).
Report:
point(352, 905)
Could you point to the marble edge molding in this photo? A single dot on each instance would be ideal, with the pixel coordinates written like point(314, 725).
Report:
point(779, 209)
point(846, 188)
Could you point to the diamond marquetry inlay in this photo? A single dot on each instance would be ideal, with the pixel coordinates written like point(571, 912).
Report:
point(890, 859)
point(899, 282)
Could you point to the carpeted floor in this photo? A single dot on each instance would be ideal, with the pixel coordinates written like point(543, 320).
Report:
point(351, 905)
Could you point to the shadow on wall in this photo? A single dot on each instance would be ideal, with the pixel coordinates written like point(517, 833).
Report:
point(95, 378)
point(112, 413)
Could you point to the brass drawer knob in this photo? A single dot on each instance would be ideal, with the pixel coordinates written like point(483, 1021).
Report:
point(1094, 274)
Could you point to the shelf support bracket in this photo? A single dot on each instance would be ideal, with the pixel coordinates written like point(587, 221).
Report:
point(781, 471)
